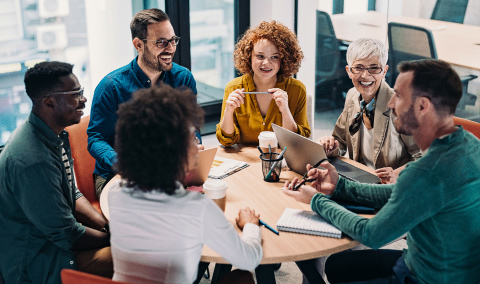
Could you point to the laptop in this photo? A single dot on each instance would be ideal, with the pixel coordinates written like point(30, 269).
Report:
point(199, 174)
point(302, 151)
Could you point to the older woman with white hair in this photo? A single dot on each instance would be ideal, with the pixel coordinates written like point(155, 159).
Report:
point(365, 127)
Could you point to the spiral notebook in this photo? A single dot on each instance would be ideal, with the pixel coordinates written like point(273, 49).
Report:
point(306, 222)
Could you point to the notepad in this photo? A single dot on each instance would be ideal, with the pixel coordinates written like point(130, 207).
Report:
point(223, 167)
point(306, 222)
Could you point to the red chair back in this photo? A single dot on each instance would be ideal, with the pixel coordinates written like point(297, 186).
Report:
point(471, 126)
point(83, 163)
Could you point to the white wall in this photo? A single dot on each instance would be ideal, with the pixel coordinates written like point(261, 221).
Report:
point(109, 39)
point(266, 10)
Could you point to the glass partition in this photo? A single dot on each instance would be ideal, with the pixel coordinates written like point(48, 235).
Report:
point(454, 42)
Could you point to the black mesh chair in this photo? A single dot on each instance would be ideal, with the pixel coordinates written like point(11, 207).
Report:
point(450, 10)
point(407, 42)
point(329, 64)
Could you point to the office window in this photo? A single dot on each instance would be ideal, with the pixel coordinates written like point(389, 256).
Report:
point(212, 42)
point(32, 31)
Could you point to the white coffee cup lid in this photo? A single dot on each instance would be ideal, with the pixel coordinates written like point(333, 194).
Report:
point(267, 135)
point(215, 188)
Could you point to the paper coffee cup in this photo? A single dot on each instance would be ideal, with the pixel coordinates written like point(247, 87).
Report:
point(216, 190)
point(265, 138)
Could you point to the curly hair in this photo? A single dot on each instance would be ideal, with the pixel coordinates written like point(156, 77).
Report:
point(282, 37)
point(153, 135)
point(44, 77)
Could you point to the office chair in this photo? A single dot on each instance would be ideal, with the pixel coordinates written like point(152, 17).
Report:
point(83, 163)
point(450, 10)
point(70, 276)
point(470, 126)
point(329, 67)
point(407, 42)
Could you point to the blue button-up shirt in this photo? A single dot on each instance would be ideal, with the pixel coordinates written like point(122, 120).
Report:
point(116, 88)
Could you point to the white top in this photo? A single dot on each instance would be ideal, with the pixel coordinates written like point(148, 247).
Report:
point(157, 238)
point(366, 138)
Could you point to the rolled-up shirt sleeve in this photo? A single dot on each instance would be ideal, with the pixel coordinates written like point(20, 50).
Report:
point(220, 235)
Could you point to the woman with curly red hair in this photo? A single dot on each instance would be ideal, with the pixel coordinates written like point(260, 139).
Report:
point(267, 56)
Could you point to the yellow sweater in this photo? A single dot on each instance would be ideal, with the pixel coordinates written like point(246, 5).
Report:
point(249, 121)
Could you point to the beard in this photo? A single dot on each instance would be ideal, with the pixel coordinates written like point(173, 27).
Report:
point(406, 122)
point(155, 64)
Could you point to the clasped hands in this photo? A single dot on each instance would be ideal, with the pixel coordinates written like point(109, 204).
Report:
point(325, 181)
point(386, 175)
point(237, 98)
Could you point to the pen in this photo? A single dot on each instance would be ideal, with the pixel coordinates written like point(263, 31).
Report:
point(304, 180)
point(268, 227)
point(276, 162)
point(261, 152)
point(270, 151)
point(257, 93)
point(297, 186)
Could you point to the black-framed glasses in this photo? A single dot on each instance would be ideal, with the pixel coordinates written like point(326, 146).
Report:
point(78, 94)
point(372, 70)
point(162, 43)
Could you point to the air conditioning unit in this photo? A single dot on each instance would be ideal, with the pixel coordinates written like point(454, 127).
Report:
point(53, 8)
point(52, 36)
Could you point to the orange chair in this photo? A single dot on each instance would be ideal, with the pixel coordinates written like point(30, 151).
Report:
point(83, 163)
point(471, 126)
point(70, 276)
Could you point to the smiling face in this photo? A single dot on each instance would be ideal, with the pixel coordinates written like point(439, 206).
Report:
point(265, 61)
point(367, 84)
point(68, 107)
point(157, 59)
point(402, 105)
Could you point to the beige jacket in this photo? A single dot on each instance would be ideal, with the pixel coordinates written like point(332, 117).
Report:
point(391, 149)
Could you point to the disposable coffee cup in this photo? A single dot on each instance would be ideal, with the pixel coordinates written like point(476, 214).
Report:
point(216, 190)
point(267, 138)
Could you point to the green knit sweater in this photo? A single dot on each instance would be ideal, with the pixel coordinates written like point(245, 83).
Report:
point(436, 200)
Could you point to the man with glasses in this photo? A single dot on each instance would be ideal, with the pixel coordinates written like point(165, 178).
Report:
point(46, 223)
point(155, 41)
point(436, 199)
point(365, 127)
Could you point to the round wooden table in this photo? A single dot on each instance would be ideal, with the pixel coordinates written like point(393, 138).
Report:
point(246, 188)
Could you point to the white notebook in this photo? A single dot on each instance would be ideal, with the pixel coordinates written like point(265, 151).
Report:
point(223, 167)
point(306, 222)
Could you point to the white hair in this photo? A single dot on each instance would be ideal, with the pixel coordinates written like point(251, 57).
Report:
point(366, 48)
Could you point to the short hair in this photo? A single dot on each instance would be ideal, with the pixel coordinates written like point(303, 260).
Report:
point(153, 134)
point(365, 48)
point(42, 78)
point(436, 80)
point(141, 20)
point(282, 37)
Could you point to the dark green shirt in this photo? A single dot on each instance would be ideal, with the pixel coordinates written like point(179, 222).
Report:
point(436, 200)
point(38, 228)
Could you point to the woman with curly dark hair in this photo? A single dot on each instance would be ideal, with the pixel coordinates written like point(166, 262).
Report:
point(158, 229)
point(267, 56)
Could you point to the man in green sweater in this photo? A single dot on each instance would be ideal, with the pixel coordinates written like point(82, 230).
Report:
point(436, 199)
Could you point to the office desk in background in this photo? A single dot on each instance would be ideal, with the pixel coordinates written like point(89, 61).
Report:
point(457, 44)
point(246, 188)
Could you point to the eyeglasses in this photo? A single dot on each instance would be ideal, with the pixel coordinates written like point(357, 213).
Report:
point(78, 94)
point(162, 43)
point(372, 70)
